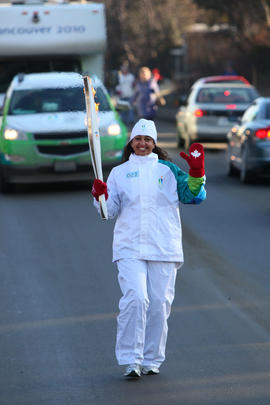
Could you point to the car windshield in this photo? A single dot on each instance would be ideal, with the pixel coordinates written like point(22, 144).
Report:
point(53, 100)
point(224, 95)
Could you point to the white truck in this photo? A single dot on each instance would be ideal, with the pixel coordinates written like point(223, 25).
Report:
point(41, 36)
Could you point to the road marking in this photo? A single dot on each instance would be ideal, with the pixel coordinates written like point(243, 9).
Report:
point(214, 145)
point(168, 145)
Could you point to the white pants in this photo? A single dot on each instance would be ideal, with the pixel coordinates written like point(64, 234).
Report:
point(148, 292)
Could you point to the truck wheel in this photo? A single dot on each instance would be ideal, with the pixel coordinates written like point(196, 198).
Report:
point(5, 186)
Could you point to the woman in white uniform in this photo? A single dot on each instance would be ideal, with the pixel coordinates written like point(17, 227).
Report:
point(144, 194)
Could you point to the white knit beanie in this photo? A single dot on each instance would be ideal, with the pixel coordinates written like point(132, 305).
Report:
point(144, 127)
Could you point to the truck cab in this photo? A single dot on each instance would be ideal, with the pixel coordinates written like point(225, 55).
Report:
point(38, 36)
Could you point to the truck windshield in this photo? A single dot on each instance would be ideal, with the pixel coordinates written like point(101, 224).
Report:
point(53, 100)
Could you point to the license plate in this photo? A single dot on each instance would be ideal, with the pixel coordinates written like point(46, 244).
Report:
point(65, 166)
point(223, 121)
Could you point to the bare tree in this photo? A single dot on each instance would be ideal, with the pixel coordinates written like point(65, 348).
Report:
point(144, 31)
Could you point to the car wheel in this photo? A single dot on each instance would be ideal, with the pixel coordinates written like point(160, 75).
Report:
point(230, 169)
point(180, 141)
point(187, 142)
point(179, 138)
point(245, 174)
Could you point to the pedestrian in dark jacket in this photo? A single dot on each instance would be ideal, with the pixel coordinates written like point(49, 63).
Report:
point(146, 92)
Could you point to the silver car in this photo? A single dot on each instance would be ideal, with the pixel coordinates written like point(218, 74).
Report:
point(211, 110)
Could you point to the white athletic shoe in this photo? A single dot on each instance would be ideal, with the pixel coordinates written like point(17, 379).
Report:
point(148, 370)
point(133, 370)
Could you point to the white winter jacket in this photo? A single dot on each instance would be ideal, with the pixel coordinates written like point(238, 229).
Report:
point(144, 195)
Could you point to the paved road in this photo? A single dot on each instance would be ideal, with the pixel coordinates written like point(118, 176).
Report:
point(59, 298)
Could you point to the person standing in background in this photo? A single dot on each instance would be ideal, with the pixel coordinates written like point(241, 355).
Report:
point(146, 94)
point(125, 91)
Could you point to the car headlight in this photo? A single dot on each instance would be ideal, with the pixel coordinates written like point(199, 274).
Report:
point(114, 129)
point(12, 134)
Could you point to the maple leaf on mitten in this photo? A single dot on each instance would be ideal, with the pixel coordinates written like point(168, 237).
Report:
point(99, 188)
point(195, 160)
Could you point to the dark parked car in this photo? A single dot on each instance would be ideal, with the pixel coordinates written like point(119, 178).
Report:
point(249, 142)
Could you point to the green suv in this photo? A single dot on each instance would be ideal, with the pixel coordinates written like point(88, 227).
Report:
point(43, 135)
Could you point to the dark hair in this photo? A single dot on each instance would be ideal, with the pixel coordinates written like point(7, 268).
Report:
point(162, 154)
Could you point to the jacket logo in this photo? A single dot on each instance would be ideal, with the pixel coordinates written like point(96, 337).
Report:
point(160, 182)
point(133, 174)
point(196, 154)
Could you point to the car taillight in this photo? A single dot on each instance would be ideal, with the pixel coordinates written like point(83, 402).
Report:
point(199, 113)
point(231, 106)
point(263, 133)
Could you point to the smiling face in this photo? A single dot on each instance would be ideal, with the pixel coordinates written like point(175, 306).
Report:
point(142, 145)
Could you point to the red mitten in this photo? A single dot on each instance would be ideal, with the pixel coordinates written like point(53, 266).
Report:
point(99, 188)
point(195, 160)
